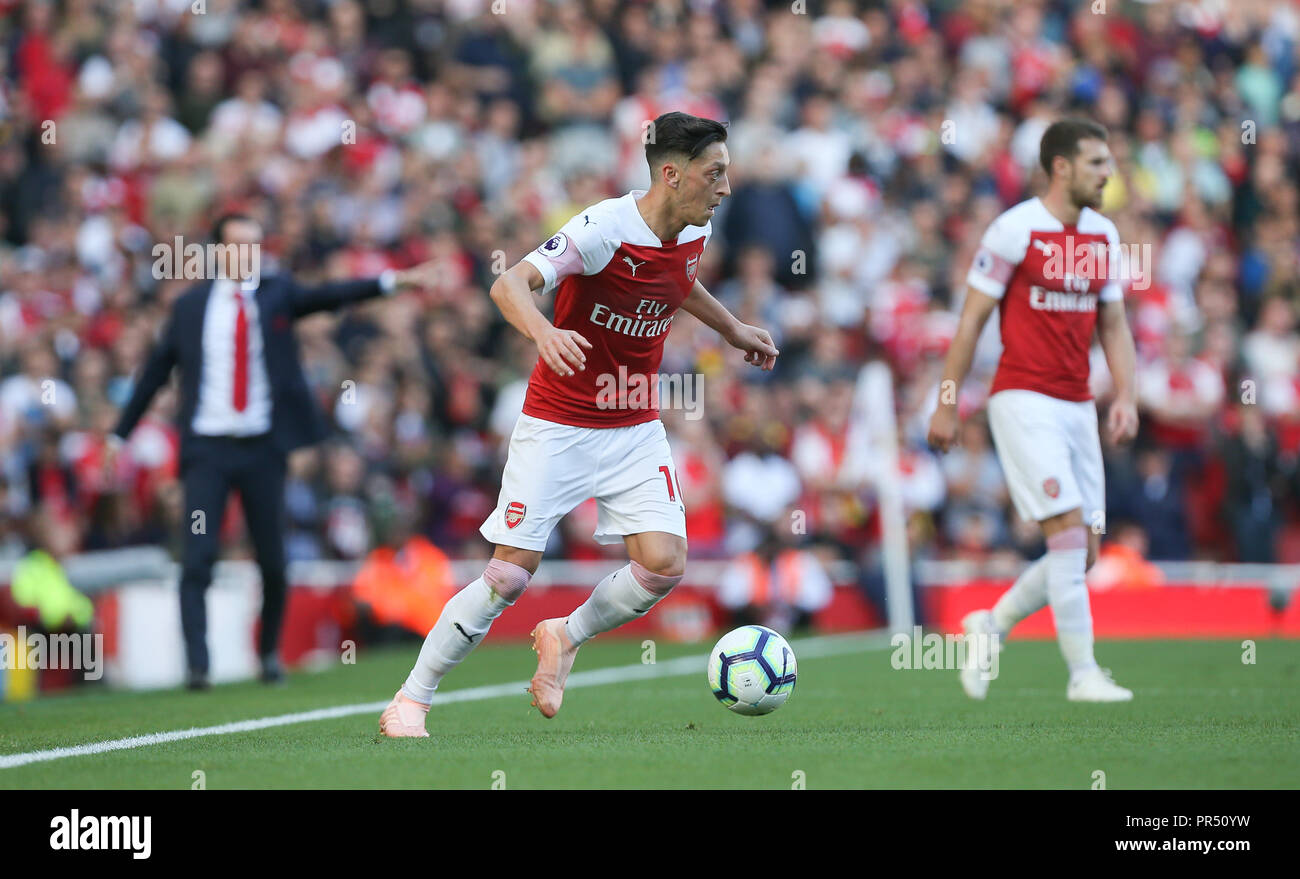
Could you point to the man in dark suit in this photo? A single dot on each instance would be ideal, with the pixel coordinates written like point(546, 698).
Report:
point(244, 405)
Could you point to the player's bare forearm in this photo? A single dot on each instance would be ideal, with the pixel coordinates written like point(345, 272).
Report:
point(710, 312)
point(559, 349)
point(1117, 344)
point(515, 296)
point(974, 314)
point(756, 342)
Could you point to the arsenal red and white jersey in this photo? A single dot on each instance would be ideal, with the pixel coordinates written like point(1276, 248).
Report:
point(619, 286)
point(1049, 278)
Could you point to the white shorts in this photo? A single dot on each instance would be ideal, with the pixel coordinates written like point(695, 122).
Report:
point(552, 468)
point(1050, 452)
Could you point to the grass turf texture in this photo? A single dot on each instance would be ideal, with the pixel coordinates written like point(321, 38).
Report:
point(1200, 719)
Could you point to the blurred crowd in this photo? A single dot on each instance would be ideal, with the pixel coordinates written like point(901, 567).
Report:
point(872, 143)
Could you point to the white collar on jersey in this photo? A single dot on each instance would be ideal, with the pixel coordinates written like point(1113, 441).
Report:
point(1053, 220)
point(631, 227)
point(652, 240)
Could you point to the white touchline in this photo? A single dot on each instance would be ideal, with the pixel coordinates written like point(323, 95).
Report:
point(825, 645)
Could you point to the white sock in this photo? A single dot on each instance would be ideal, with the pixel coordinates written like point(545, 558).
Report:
point(1026, 596)
point(461, 627)
point(623, 596)
point(1067, 562)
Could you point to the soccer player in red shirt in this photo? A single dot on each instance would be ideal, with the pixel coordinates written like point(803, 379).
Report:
point(590, 425)
point(1050, 267)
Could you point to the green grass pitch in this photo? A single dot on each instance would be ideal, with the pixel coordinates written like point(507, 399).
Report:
point(1200, 719)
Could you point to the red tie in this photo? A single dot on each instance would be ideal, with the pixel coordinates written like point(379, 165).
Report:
point(240, 398)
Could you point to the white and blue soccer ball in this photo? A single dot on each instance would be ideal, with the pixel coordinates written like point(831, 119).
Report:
point(752, 670)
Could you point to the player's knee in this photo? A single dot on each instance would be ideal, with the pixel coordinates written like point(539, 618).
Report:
point(506, 579)
point(1071, 537)
point(1068, 520)
point(664, 555)
point(660, 578)
point(528, 559)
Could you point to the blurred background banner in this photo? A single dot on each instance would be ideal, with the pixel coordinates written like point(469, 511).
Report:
point(335, 607)
point(872, 143)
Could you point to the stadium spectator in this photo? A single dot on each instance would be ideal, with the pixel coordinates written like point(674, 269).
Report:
point(1256, 481)
point(382, 135)
point(1150, 492)
point(775, 584)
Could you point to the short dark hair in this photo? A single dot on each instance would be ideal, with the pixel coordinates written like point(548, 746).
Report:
point(1062, 139)
point(219, 225)
point(681, 134)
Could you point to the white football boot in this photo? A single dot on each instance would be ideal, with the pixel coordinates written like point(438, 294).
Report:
point(979, 650)
point(1096, 685)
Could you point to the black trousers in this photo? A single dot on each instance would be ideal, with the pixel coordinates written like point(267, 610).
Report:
point(212, 467)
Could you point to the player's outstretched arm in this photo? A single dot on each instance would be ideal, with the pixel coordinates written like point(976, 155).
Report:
point(332, 296)
point(513, 293)
point(1117, 344)
point(756, 342)
point(974, 314)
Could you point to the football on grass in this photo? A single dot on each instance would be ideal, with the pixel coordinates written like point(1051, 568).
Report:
point(752, 670)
